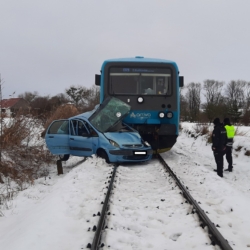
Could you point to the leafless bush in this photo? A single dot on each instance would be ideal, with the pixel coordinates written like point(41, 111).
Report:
point(201, 129)
point(7, 193)
point(22, 150)
point(209, 138)
point(198, 130)
point(62, 112)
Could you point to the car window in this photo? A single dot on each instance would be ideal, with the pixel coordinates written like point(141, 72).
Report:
point(59, 127)
point(109, 113)
point(78, 128)
point(91, 130)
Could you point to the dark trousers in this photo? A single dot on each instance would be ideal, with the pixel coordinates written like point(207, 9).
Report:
point(218, 156)
point(229, 157)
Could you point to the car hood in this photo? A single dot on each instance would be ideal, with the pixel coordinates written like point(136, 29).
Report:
point(124, 137)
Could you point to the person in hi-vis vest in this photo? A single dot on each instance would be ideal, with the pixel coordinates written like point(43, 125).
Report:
point(230, 136)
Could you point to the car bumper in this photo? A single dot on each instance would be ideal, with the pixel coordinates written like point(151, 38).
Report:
point(130, 152)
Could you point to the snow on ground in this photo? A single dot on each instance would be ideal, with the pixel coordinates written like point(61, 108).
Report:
point(144, 210)
point(57, 212)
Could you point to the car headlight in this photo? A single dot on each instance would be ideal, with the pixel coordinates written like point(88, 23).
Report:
point(145, 143)
point(113, 143)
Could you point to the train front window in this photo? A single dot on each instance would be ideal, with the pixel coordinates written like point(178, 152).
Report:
point(140, 81)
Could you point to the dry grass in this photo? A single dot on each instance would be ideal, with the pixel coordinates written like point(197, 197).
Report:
point(209, 138)
point(201, 129)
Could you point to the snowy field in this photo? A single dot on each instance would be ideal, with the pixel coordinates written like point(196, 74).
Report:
point(57, 211)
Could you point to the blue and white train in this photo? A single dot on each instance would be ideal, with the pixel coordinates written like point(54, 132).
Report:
point(151, 88)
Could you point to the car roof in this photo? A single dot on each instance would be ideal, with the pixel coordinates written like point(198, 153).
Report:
point(85, 115)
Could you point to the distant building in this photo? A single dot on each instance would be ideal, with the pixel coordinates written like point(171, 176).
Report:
point(11, 106)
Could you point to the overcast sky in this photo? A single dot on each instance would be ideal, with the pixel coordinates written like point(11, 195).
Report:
point(47, 46)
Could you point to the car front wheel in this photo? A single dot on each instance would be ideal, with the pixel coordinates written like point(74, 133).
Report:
point(102, 154)
point(63, 157)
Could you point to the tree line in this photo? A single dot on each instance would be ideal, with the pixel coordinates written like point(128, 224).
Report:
point(80, 97)
point(199, 102)
point(219, 100)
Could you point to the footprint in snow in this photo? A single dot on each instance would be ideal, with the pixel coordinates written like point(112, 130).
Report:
point(175, 236)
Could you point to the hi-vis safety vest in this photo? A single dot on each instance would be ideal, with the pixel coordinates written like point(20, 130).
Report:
point(230, 134)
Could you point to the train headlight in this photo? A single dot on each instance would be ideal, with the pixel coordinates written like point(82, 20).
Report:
point(140, 99)
point(161, 114)
point(169, 115)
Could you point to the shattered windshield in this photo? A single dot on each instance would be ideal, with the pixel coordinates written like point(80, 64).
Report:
point(110, 112)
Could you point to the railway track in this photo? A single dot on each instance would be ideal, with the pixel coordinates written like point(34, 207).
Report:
point(145, 198)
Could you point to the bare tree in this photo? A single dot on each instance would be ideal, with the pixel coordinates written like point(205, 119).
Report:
point(184, 112)
point(245, 119)
point(78, 95)
point(93, 97)
point(82, 97)
point(247, 97)
point(194, 100)
point(213, 96)
point(28, 96)
point(234, 94)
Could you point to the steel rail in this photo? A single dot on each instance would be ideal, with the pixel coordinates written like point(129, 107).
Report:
point(216, 235)
point(95, 243)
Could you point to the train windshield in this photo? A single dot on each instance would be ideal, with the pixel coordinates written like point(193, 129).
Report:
point(109, 114)
point(140, 81)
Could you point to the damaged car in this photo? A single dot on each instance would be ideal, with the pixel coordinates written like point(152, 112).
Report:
point(99, 132)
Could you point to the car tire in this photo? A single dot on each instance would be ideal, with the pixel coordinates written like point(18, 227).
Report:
point(63, 157)
point(102, 154)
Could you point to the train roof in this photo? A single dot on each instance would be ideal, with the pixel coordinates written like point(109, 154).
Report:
point(140, 59)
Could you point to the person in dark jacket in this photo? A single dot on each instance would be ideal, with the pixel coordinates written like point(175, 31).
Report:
point(230, 136)
point(219, 139)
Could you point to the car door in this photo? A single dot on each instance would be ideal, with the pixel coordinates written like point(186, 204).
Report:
point(80, 140)
point(57, 137)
